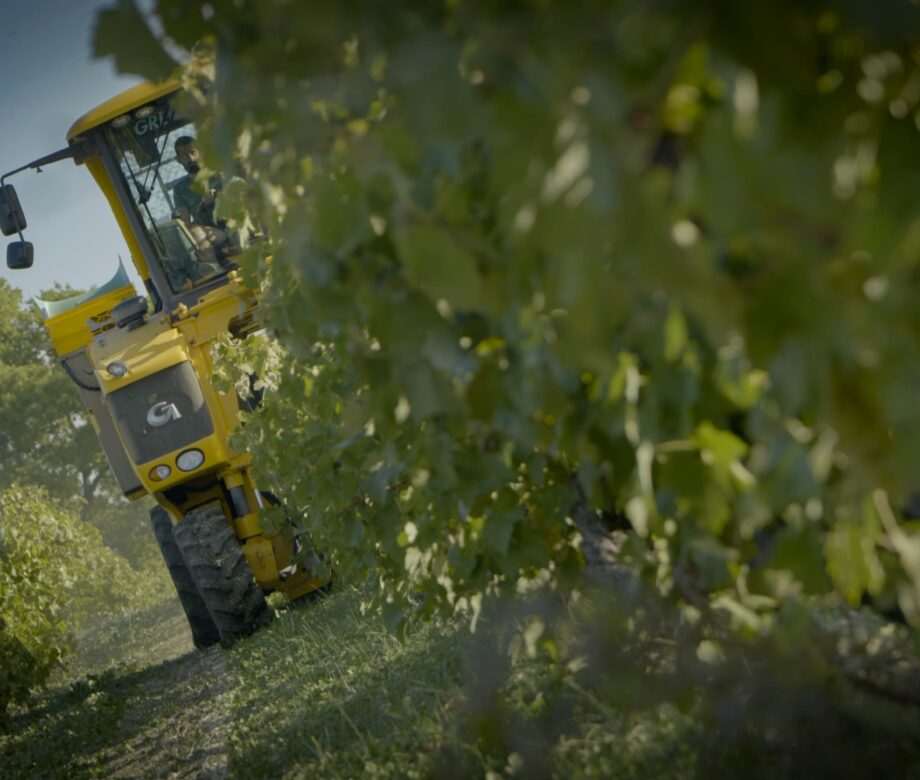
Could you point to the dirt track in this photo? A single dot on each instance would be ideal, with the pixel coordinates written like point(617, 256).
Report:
point(162, 712)
point(177, 722)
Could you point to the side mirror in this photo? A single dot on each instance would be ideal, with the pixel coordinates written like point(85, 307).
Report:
point(19, 255)
point(12, 220)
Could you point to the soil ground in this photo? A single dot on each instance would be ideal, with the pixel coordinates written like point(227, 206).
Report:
point(160, 710)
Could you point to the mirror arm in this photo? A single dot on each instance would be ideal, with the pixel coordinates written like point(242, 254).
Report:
point(69, 153)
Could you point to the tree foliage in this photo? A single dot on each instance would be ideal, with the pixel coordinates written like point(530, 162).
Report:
point(45, 437)
point(528, 254)
point(56, 577)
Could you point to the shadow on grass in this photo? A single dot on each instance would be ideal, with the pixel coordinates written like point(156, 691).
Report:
point(118, 722)
point(328, 691)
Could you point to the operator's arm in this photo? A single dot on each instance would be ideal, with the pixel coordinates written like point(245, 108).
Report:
point(183, 213)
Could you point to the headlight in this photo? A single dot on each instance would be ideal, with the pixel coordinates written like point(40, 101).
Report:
point(116, 368)
point(190, 460)
point(159, 473)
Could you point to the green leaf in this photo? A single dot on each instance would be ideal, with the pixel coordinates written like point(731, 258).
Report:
point(435, 263)
point(121, 32)
point(723, 447)
point(499, 528)
point(675, 334)
point(423, 389)
point(799, 555)
point(852, 559)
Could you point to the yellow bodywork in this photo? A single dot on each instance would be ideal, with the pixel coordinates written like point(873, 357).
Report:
point(122, 103)
point(86, 332)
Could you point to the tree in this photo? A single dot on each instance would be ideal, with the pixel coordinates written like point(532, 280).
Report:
point(45, 437)
point(56, 577)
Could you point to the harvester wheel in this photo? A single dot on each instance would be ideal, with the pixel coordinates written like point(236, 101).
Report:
point(204, 630)
point(222, 574)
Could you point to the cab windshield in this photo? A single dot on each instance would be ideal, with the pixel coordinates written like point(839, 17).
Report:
point(157, 154)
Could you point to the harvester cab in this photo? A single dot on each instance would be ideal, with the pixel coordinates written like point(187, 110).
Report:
point(142, 363)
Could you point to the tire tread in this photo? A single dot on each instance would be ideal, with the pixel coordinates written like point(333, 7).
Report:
point(204, 629)
point(222, 574)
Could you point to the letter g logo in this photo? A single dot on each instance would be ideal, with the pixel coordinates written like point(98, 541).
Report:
point(161, 413)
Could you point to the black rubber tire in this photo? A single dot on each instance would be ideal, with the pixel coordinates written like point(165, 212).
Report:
point(222, 574)
point(204, 631)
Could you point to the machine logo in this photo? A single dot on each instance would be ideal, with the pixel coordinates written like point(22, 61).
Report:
point(161, 413)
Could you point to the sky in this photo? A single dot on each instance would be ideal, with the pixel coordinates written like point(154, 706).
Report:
point(49, 80)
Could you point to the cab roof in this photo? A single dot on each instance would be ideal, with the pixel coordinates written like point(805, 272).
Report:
point(121, 103)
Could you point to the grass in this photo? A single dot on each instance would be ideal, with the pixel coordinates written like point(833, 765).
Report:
point(324, 690)
point(328, 691)
point(143, 638)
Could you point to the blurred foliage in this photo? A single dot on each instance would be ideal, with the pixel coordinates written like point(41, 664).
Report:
point(656, 259)
point(56, 577)
point(532, 254)
point(576, 690)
